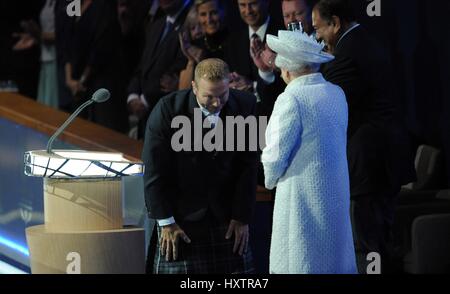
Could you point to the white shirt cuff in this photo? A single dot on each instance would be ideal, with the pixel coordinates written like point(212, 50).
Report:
point(267, 76)
point(133, 96)
point(166, 221)
point(255, 92)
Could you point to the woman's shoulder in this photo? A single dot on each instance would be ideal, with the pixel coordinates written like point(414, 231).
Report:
point(296, 94)
point(288, 101)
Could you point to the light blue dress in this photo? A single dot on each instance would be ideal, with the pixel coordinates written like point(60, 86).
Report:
point(305, 158)
point(48, 77)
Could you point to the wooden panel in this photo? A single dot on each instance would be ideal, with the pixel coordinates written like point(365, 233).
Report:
point(82, 205)
point(96, 252)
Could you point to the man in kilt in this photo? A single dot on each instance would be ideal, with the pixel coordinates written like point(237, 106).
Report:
point(202, 200)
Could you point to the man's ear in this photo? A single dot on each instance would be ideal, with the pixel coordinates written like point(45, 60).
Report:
point(288, 75)
point(336, 21)
point(194, 88)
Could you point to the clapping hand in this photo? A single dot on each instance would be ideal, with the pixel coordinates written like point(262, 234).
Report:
point(191, 52)
point(262, 56)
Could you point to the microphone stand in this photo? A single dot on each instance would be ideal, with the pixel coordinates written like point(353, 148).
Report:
point(66, 123)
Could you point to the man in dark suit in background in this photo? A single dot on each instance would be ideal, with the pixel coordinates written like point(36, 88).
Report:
point(245, 76)
point(200, 197)
point(161, 63)
point(19, 66)
point(255, 14)
point(380, 157)
point(93, 61)
point(63, 35)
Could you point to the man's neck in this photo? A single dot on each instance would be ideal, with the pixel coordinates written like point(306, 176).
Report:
point(345, 28)
point(255, 28)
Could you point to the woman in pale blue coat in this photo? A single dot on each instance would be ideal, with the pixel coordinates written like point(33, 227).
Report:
point(305, 159)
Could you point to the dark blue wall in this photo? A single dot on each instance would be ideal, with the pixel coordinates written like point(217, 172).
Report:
point(21, 197)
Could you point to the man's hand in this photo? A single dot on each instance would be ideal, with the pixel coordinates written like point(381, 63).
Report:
point(262, 56)
point(76, 87)
point(169, 241)
point(241, 83)
point(30, 37)
point(241, 235)
point(138, 108)
point(26, 41)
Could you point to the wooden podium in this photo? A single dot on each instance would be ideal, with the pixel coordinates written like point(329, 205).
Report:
point(83, 230)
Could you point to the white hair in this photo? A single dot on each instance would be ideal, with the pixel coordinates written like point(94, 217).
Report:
point(291, 66)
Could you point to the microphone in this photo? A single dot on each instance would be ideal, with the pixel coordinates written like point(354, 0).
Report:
point(100, 96)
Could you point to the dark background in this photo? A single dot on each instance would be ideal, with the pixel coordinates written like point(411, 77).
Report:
point(415, 32)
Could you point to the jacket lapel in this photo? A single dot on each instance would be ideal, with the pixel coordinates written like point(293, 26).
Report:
point(153, 42)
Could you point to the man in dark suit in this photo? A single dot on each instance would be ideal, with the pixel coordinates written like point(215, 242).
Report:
point(379, 154)
point(255, 14)
point(200, 197)
point(245, 75)
point(161, 62)
point(92, 61)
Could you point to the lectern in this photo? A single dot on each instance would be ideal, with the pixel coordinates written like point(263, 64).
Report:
point(83, 230)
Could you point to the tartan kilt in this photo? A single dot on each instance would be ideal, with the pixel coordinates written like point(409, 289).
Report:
point(208, 253)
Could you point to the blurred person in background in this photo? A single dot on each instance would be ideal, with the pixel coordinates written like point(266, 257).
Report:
point(132, 15)
point(43, 35)
point(210, 16)
point(255, 14)
point(94, 62)
point(19, 69)
point(63, 24)
point(158, 71)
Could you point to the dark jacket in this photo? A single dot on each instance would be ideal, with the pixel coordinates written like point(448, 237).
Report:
point(158, 58)
point(94, 42)
point(181, 183)
point(237, 55)
point(380, 157)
